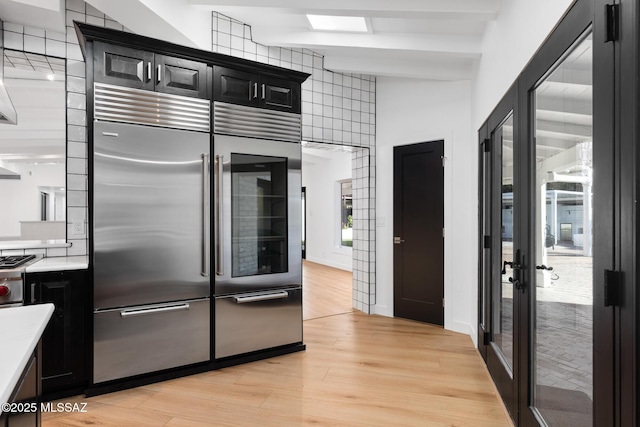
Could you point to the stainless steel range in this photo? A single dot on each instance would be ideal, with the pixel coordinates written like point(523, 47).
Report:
point(11, 279)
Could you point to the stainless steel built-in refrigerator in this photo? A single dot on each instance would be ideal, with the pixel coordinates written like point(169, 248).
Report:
point(151, 214)
point(257, 239)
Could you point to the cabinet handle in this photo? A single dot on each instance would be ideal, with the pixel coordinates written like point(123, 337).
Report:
point(263, 91)
point(255, 91)
point(159, 73)
point(33, 293)
point(148, 71)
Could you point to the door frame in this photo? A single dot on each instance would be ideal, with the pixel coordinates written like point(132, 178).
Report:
point(504, 381)
point(414, 147)
point(615, 114)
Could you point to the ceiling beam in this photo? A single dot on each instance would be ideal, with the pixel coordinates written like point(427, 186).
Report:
point(407, 68)
point(468, 9)
point(453, 46)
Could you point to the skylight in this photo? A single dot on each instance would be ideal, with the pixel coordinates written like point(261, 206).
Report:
point(338, 23)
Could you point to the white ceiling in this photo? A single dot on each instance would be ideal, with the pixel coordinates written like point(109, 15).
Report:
point(430, 39)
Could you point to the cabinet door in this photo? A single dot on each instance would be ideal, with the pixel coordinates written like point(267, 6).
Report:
point(235, 87)
point(278, 94)
point(181, 76)
point(63, 342)
point(123, 66)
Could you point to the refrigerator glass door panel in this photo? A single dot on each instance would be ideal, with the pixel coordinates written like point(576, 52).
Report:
point(150, 215)
point(143, 339)
point(257, 321)
point(257, 214)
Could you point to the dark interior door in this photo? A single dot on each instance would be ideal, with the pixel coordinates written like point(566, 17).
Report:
point(418, 213)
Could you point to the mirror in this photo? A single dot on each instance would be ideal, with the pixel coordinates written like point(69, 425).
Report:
point(32, 153)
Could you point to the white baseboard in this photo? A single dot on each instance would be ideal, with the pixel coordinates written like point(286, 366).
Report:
point(383, 310)
point(330, 263)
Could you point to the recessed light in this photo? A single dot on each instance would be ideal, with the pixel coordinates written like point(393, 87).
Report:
point(338, 23)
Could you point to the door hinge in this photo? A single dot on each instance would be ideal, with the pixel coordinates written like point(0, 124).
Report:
point(443, 158)
point(612, 17)
point(486, 338)
point(611, 288)
point(487, 242)
point(442, 302)
point(486, 145)
point(442, 231)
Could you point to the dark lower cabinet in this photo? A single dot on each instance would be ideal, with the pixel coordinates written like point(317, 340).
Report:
point(24, 402)
point(64, 342)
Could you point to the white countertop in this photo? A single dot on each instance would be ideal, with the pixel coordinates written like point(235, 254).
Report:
point(61, 263)
point(18, 341)
point(33, 244)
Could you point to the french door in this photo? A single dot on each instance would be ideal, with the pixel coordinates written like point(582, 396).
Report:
point(550, 232)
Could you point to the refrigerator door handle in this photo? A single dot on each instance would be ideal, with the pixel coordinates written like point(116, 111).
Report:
point(262, 297)
point(205, 215)
point(154, 310)
point(219, 237)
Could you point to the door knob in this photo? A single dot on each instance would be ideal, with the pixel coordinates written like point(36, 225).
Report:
point(397, 240)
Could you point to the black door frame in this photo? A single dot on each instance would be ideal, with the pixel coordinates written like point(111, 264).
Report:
point(616, 97)
point(489, 240)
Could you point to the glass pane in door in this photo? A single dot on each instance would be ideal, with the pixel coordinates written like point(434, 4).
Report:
point(259, 215)
point(562, 338)
point(502, 292)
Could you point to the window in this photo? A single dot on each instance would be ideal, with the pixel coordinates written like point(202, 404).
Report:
point(346, 214)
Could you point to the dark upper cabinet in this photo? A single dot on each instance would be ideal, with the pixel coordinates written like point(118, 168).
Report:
point(181, 76)
point(64, 342)
point(240, 87)
point(234, 87)
point(123, 66)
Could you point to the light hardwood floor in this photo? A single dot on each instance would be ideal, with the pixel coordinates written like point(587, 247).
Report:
point(358, 370)
point(327, 291)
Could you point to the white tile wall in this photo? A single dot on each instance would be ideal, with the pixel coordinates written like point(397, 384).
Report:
point(336, 109)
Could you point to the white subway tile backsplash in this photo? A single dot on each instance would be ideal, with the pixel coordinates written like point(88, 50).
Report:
point(37, 32)
point(55, 48)
point(74, 52)
point(13, 40)
point(76, 5)
point(95, 20)
point(237, 43)
point(34, 44)
point(74, 16)
point(77, 149)
point(14, 28)
point(237, 29)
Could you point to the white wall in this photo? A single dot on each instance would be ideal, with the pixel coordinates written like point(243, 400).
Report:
point(321, 171)
point(509, 43)
point(410, 111)
point(26, 194)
